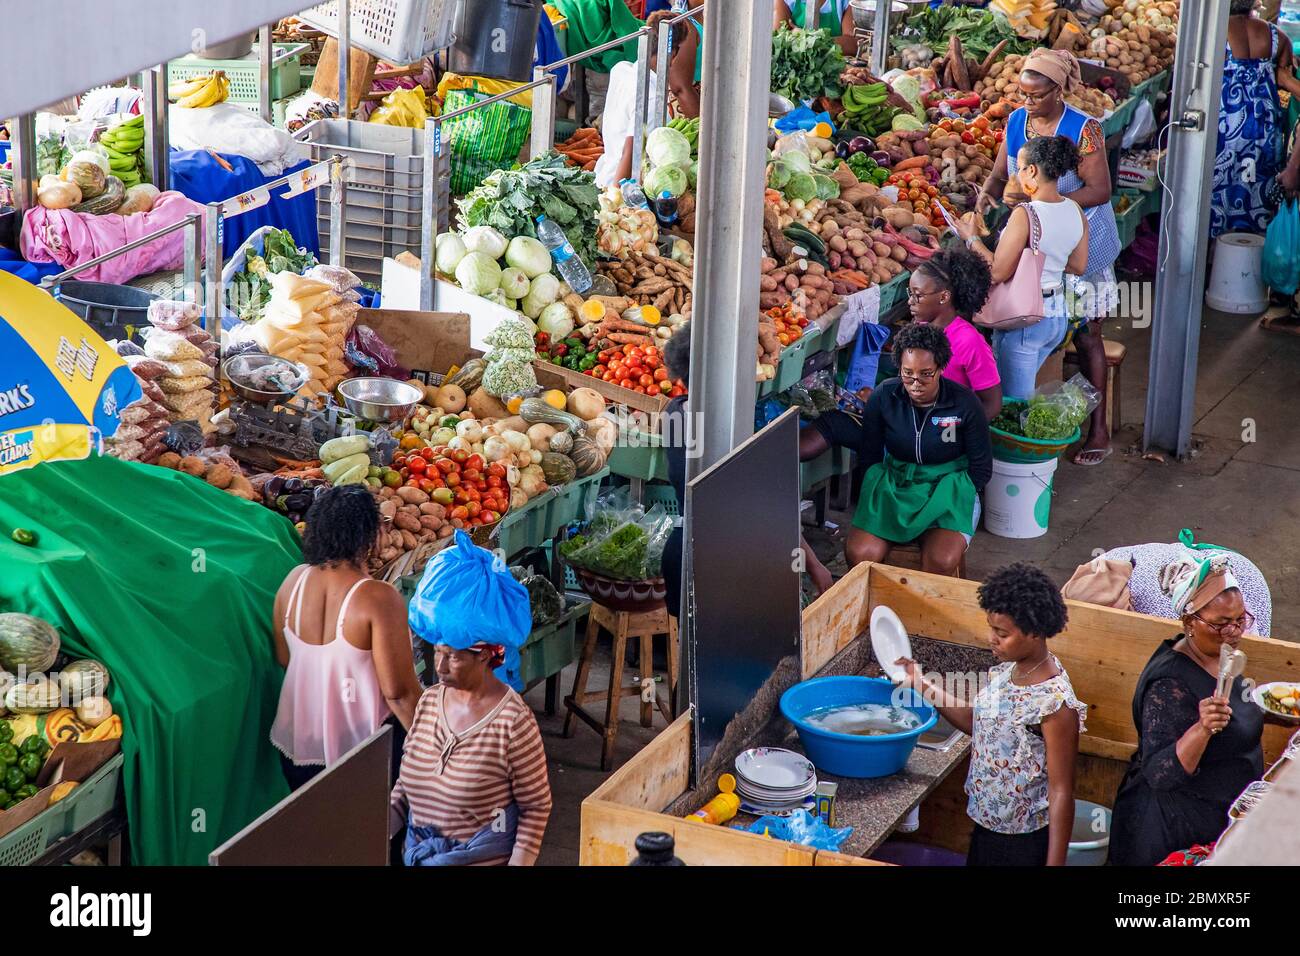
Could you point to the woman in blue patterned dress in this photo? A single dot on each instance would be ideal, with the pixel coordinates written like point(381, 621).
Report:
point(1250, 132)
point(1047, 76)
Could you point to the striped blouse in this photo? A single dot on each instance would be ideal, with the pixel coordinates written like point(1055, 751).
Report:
point(459, 783)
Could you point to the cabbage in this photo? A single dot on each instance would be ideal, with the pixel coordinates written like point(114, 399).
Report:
point(544, 290)
point(478, 273)
point(796, 161)
point(666, 179)
point(827, 188)
point(801, 186)
point(556, 321)
point(778, 174)
point(528, 255)
point(665, 146)
point(449, 250)
point(692, 174)
point(514, 283)
point(486, 240)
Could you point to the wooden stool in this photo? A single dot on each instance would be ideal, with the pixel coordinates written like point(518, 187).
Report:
point(1115, 353)
point(624, 626)
point(908, 557)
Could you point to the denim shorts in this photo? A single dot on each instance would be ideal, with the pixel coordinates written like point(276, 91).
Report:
point(1020, 354)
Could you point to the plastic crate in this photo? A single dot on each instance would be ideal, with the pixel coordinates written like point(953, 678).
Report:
point(893, 292)
point(87, 802)
point(644, 459)
point(544, 516)
point(400, 31)
point(665, 495)
point(833, 462)
point(553, 647)
point(1128, 220)
point(790, 369)
point(245, 74)
point(279, 108)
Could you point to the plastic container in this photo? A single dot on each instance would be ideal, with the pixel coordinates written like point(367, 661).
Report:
point(478, 49)
point(1236, 281)
point(552, 647)
point(717, 811)
point(245, 72)
point(1090, 836)
point(1018, 498)
point(1018, 448)
point(87, 802)
point(114, 311)
point(400, 31)
point(655, 849)
point(849, 755)
point(916, 854)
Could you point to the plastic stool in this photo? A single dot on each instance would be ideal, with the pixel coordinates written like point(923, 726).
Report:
point(1235, 282)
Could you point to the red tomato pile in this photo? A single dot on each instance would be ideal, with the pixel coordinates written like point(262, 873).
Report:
point(474, 492)
point(639, 369)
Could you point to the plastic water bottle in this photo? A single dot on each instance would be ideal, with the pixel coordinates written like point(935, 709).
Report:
point(633, 195)
point(666, 208)
point(570, 265)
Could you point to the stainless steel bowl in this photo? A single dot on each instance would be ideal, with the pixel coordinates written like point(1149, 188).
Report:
point(864, 13)
point(778, 105)
point(379, 399)
point(238, 368)
point(236, 48)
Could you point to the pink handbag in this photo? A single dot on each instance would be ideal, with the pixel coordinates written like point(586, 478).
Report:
point(1018, 302)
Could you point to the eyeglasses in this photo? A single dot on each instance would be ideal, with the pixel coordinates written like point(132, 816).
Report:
point(914, 296)
point(919, 377)
point(1037, 97)
point(1242, 624)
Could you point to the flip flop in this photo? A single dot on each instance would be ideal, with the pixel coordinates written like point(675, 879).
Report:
point(1093, 452)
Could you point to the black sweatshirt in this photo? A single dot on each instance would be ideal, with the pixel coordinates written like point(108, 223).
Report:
point(890, 421)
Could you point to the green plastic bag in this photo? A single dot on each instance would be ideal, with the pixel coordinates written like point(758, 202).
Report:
point(485, 140)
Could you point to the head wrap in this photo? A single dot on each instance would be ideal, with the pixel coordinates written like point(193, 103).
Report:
point(467, 600)
point(1194, 580)
point(1059, 66)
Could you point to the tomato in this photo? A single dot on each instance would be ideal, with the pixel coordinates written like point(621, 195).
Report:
point(665, 387)
point(640, 388)
point(453, 480)
point(460, 512)
point(651, 352)
point(417, 466)
point(473, 508)
point(598, 371)
point(496, 469)
point(676, 392)
point(427, 485)
point(444, 465)
point(472, 494)
point(409, 441)
point(495, 481)
point(645, 381)
point(437, 481)
point(460, 456)
point(661, 374)
point(469, 474)
point(475, 463)
point(803, 322)
point(627, 349)
point(427, 453)
point(622, 375)
point(399, 462)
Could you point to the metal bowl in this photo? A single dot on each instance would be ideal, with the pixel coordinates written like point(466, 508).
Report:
point(238, 368)
point(864, 13)
point(379, 399)
point(778, 105)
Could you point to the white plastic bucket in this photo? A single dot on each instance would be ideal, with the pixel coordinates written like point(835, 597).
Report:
point(1236, 283)
point(1018, 498)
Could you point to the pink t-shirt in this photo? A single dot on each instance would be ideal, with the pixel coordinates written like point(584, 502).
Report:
point(972, 362)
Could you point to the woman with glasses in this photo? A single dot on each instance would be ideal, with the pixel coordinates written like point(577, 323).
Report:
point(925, 445)
point(1196, 751)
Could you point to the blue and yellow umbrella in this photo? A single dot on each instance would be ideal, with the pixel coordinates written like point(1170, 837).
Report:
point(62, 388)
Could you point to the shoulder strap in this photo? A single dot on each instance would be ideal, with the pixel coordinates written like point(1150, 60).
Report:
point(343, 608)
point(1035, 227)
point(295, 602)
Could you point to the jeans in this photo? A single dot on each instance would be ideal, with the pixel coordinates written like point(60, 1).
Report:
point(1020, 354)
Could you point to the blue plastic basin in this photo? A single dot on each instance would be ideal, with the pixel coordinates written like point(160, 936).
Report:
point(850, 755)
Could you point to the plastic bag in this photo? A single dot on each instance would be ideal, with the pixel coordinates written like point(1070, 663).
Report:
point(1058, 408)
point(465, 597)
point(484, 140)
point(1281, 265)
point(184, 438)
point(402, 108)
point(803, 828)
point(622, 540)
point(802, 118)
point(365, 351)
point(172, 314)
point(1141, 126)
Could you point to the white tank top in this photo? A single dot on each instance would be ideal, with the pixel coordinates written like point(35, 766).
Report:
point(1062, 224)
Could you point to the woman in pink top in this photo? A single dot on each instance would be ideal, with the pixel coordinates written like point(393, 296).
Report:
point(950, 284)
point(343, 638)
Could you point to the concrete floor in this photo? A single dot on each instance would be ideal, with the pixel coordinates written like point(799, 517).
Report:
point(1238, 493)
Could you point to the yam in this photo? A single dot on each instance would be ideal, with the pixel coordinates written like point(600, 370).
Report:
point(388, 508)
point(411, 495)
point(406, 522)
point(430, 522)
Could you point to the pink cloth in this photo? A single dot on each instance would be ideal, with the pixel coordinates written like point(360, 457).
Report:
point(330, 700)
point(70, 238)
point(973, 364)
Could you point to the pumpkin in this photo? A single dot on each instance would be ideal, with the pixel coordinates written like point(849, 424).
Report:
point(561, 443)
point(587, 456)
point(89, 177)
point(114, 195)
point(558, 469)
point(59, 195)
point(27, 643)
point(450, 398)
point(605, 432)
point(586, 403)
point(540, 435)
point(93, 711)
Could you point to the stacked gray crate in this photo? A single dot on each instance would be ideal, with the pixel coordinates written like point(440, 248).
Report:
point(385, 190)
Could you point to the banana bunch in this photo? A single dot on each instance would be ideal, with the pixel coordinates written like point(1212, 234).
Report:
point(125, 146)
point(867, 109)
point(690, 128)
point(201, 92)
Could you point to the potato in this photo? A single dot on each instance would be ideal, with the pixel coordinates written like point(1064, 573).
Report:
point(406, 522)
point(412, 496)
point(192, 465)
point(219, 476)
point(169, 459)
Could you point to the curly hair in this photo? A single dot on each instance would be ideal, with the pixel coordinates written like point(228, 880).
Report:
point(1026, 595)
point(1053, 155)
point(964, 274)
point(1241, 8)
point(677, 354)
point(922, 337)
point(342, 525)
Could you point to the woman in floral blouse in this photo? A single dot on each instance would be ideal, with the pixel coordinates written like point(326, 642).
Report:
point(1024, 724)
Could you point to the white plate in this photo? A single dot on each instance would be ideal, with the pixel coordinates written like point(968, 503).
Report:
point(766, 795)
point(775, 768)
point(762, 810)
point(889, 641)
point(1258, 697)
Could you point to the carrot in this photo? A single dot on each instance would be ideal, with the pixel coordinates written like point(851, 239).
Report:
point(916, 162)
point(627, 338)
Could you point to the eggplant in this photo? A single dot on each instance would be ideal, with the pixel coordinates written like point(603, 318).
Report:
point(275, 487)
point(294, 517)
point(293, 486)
point(300, 501)
point(319, 490)
point(862, 144)
point(843, 151)
point(881, 158)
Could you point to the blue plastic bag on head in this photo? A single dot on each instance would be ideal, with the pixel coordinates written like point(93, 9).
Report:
point(803, 828)
point(466, 597)
point(1281, 266)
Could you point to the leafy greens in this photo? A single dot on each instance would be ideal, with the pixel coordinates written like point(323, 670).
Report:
point(806, 64)
point(979, 31)
point(250, 288)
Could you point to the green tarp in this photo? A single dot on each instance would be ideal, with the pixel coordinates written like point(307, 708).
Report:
point(170, 583)
point(593, 22)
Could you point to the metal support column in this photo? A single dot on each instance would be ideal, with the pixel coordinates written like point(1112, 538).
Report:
point(345, 55)
point(153, 83)
point(657, 112)
point(212, 304)
point(880, 37)
point(544, 109)
point(338, 212)
point(1184, 227)
point(265, 51)
point(642, 101)
point(432, 203)
point(22, 159)
point(732, 156)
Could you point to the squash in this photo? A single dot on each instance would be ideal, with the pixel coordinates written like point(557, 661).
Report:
point(89, 177)
point(59, 195)
point(605, 433)
point(83, 679)
point(114, 195)
point(483, 406)
point(558, 469)
point(587, 456)
point(561, 442)
point(27, 643)
point(540, 435)
point(586, 403)
point(93, 711)
point(555, 398)
point(37, 697)
point(62, 789)
point(469, 376)
point(535, 410)
point(450, 398)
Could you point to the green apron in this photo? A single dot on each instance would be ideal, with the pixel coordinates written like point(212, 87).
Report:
point(826, 19)
point(900, 501)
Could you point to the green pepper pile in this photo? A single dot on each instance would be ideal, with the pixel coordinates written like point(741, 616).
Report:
point(19, 766)
point(866, 169)
point(571, 353)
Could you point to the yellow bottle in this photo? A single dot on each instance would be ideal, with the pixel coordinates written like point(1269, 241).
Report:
point(722, 807)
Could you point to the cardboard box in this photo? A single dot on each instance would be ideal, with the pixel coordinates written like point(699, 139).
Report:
point(69, 761)
point(425, 342)
point(401, 291)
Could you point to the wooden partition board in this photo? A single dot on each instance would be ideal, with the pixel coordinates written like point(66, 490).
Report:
point(1102, 649)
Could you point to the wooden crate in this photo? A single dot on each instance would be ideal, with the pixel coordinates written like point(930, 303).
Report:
point(550, 374)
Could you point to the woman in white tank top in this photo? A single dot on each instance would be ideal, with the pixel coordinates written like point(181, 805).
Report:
point(343, 639)
point(1059, 229)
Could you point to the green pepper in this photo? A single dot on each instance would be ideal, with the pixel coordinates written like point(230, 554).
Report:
point(30, 765)
point(34, 744)
point(6, 731)
point(13, 779)
point(24, 536)
point(6, 801)
point(8, 755)
point(25, 791)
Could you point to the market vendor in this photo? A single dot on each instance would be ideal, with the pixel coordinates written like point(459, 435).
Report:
point(925, 445)
point(1061, 228)
point(1196, 752)
point(1045, 80)
point(834, 15)
point(1024, 725)
point(473, 788)
point(342, 638)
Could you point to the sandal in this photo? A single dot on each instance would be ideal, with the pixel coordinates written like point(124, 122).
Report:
point(1090, 457)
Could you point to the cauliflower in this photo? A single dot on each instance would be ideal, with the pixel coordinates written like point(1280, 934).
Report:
point(509, 370)
point(511, 334)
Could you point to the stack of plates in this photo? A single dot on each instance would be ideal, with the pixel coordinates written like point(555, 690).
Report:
point(772, 781)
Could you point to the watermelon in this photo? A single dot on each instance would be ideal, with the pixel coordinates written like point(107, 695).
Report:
point(27, 643)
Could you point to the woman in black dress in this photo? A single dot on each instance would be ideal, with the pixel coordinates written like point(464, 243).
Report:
point(1196, 752)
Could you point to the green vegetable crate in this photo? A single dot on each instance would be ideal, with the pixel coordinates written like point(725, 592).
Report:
point(790, 370)
point(552, 647)
point(245, 74)
point(1128, 220)
point(643, 458)
point(87, 802)
point(547, 514)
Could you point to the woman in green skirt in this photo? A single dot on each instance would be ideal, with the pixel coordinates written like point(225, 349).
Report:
point(925, 443)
